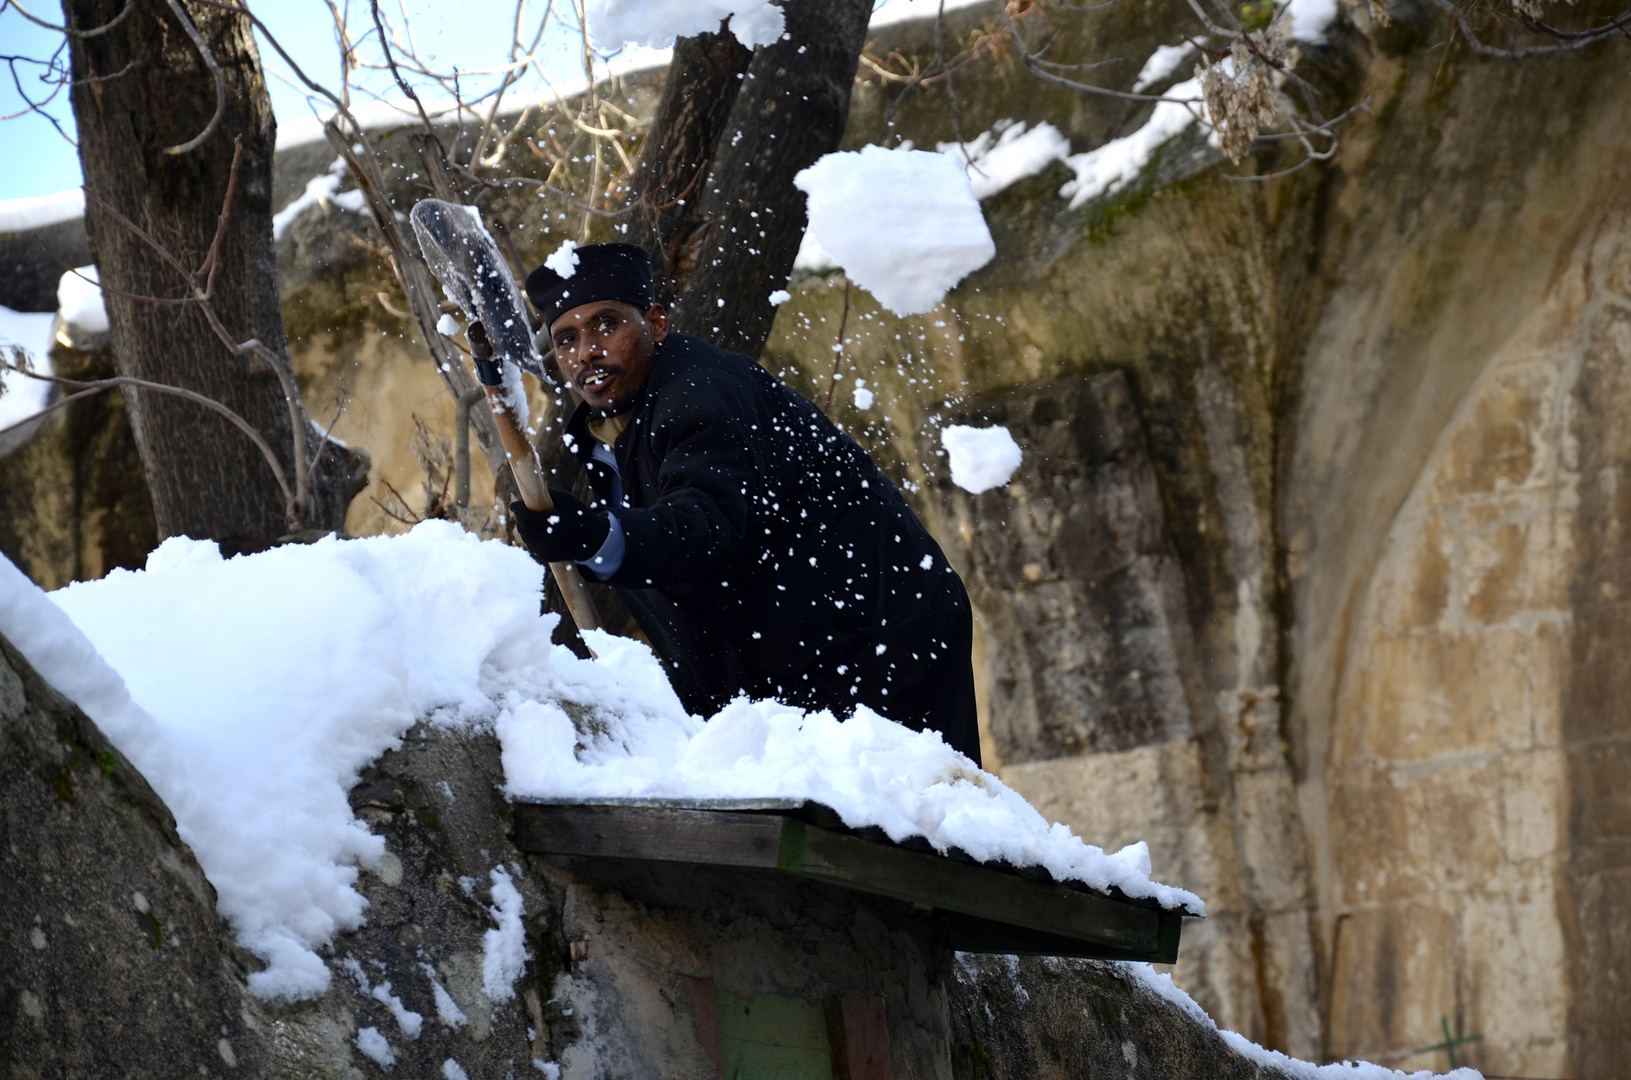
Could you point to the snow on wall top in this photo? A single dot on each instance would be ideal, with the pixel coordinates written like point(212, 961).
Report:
point(38, 211)
point(253, 729)
point(1161, 984)
point(659, 22)
point(1006, 154)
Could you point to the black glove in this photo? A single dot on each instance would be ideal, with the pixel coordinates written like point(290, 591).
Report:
point(568, 533)
point(489, 372)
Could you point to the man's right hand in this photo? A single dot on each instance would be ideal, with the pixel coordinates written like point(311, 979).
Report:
point(569, 533)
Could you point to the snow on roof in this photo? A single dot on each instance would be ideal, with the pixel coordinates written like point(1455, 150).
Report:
point(904, 224)
point(38, 211)
point(252, 691)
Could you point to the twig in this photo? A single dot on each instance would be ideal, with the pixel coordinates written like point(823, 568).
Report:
point(1581, 40)
point(385, 303)
point(297, 501)
point(527, 181)
point(215, 70)
point(838, 350)
point(340, 402)
point(385, 44)
point(130, 5)
point(86, 389)
point(461, 444)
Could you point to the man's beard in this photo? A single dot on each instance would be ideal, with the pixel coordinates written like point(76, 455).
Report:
point(618, 408)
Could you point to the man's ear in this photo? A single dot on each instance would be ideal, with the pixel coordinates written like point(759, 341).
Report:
point(657, 318)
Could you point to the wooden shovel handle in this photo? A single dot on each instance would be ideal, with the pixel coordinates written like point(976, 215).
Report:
point(529, 480)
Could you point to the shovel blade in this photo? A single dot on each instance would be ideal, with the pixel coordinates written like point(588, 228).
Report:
point(463, 257)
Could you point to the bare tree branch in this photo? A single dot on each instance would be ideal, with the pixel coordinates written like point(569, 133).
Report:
point(124, 13)
point(215, 70)
point(1572, 41)
point(86, 389)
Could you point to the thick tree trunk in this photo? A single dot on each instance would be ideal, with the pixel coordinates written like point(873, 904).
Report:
point(703, 81)
point(737, 242)
point(140, 89)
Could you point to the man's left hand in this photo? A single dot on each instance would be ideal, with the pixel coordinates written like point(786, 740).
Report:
point(569, 533)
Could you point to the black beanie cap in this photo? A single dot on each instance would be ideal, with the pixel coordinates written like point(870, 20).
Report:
point(604, 272)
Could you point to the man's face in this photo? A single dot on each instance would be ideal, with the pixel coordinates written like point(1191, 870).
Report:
point(606, 350)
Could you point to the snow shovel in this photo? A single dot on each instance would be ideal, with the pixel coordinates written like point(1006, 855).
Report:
point(466, 261)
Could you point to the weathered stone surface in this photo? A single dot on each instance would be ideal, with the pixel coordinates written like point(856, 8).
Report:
point(73, 500)
point(28, 272)
point(638, 933)
point(1381, 409)
point(1035, 1018)
point(437, 802)
point(1072, 568)
point(112, 960)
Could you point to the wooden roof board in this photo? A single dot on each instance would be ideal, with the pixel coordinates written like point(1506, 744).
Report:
point(989, 909)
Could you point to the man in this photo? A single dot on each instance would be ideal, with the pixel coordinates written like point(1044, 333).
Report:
point(758, 547)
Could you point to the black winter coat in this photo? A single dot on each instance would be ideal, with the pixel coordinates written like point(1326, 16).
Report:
point(767, 554)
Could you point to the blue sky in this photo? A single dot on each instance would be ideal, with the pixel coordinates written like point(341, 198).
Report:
point(469, 36)
point(466, 34)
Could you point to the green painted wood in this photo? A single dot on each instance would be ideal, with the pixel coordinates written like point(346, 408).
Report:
point(991, 910)
point(969, 889)
point(709, 837)
point(772, 1038)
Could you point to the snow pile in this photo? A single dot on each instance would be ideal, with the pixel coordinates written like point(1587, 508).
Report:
point(1119, 161)
point(1006, 154)
point(503, 950)
point(250, 692)
point(658, 22)
point(868, 769)
point(38, 211)
point(20, 396)
point(374, 1046)
point(264, 684)
point(981, 458)
point(904, 224)
point(79, 300)
point(1160, 983)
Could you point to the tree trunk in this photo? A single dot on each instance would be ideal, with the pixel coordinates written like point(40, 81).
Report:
point(791, 110)
point(703, 81)
point(141, 88)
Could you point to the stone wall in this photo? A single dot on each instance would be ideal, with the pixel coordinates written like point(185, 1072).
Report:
point(1311, 576)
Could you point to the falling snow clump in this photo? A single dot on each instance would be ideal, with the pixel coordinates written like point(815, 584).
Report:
point(981, 458)
point(565, 259)
point(903, 224)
